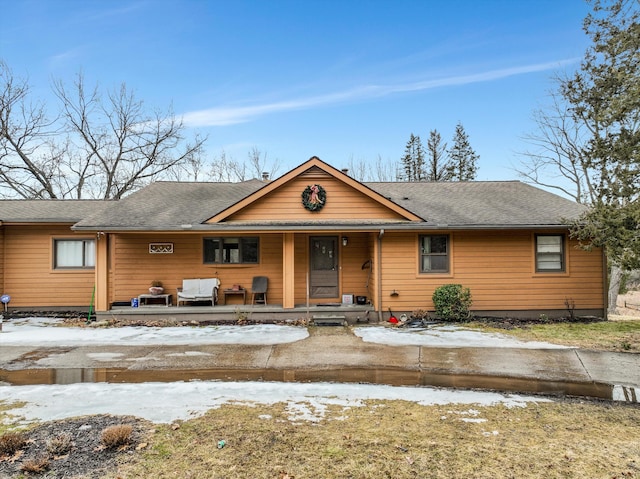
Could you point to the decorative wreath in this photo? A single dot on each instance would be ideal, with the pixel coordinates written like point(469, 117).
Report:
point(314, 197)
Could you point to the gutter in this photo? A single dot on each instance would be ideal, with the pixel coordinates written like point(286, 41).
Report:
point(379, 273)
point(315, 227)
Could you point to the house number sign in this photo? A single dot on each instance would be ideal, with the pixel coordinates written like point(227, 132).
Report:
point(314, 197)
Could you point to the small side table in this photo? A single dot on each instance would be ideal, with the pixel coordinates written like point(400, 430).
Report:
point(231, 292)
point(143, 299)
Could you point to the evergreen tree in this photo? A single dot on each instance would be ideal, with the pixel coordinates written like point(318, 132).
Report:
point(604, 96)
point(413, 159)
point(462, 164)
point(437, 158)
point(591, 137)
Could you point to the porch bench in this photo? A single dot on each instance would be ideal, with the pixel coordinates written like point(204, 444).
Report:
point(198, 289)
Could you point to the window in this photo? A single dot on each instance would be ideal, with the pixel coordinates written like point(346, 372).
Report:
point(434, 254)
point(549, 253)
point(231, 250)
point(74, 253)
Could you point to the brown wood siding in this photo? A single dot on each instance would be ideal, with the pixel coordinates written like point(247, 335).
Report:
point(498, 267)
point(352, 259)
point(134, 267)
point(343, 203)
point(29, 277)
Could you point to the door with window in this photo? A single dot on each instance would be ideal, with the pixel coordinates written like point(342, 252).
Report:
point(323, 267)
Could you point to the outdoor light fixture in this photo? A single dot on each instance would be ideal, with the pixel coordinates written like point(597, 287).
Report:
point(345, 241)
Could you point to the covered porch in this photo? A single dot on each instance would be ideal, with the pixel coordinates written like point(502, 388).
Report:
point(325, 272)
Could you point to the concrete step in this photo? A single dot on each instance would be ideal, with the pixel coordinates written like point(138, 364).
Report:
point(329, 320)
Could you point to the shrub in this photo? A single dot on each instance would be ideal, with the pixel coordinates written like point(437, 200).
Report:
point(11, 442)
point(116, 436)
point(419, 314)
point(36, 465)
point(452, 302)
point(60, 444)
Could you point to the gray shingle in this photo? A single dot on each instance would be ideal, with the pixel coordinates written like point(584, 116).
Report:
point(171, 204)
point(48, 211)
point(168, 205)
point(491, 203)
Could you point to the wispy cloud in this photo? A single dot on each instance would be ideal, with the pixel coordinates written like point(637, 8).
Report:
point(66, 57)
point(230, 115)
point(117, 11)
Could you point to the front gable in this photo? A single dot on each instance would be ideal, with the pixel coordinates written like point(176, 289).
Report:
point(346, 200)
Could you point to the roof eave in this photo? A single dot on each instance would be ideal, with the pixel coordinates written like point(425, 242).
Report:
point(412, 226)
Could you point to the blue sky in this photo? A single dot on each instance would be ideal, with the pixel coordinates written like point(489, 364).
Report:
point(338, 79)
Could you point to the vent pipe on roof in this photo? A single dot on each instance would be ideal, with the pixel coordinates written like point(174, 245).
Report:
point(345, 171)
point(265, 176)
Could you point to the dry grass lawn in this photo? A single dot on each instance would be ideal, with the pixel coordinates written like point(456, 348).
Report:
point(620, 336)
point(395, 439)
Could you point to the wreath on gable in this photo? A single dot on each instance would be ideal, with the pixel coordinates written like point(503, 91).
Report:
point(314, 197)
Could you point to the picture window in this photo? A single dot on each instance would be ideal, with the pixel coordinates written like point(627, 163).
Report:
point(231, 250)
point(74, 253)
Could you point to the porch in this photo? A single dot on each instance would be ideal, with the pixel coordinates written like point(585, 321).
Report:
point(232, 313)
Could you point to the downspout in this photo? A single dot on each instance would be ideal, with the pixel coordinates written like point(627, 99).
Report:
point(379, 274)
point(605, 286)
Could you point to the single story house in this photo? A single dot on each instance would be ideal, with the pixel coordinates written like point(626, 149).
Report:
point(318, 235)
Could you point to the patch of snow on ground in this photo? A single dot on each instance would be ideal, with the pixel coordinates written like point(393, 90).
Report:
point(446, 336)
point(43, 332)
point(167, 402)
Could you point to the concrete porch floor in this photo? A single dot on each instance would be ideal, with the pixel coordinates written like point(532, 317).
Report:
point(235, 312)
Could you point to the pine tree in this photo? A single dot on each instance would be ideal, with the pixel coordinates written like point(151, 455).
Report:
point(462, 164)
point(437, 158)
point(604, 97)
point(591, 138)
point(413, 159)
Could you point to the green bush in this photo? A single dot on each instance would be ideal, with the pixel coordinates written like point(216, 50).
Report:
point(452, 302)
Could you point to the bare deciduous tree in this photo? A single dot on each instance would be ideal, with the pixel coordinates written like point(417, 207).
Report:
point(590, 138)
point(95, 147)
point(122, 147)
point(380, 170)
point(556, 160)
point(26, 168)
point(260, 166)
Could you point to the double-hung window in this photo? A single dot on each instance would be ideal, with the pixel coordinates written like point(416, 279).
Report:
point(231, 250)
point(550, 253)
point(74, 253)
point(434, 253)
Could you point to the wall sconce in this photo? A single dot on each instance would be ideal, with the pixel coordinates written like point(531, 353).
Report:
point(345, 241)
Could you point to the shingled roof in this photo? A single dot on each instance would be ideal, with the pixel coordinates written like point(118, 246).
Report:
point(485, 204)
point(169, 205)
point(482, 203)
point(48, 211)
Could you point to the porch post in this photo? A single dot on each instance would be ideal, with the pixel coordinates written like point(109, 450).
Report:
point(288, 271)
point(102, 272)
point(378, 255)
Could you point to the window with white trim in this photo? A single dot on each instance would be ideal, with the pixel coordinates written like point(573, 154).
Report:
point(74, 253)
point(550, 253)
point(434, 253)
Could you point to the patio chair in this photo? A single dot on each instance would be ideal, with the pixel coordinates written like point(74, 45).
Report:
point(259, 289)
